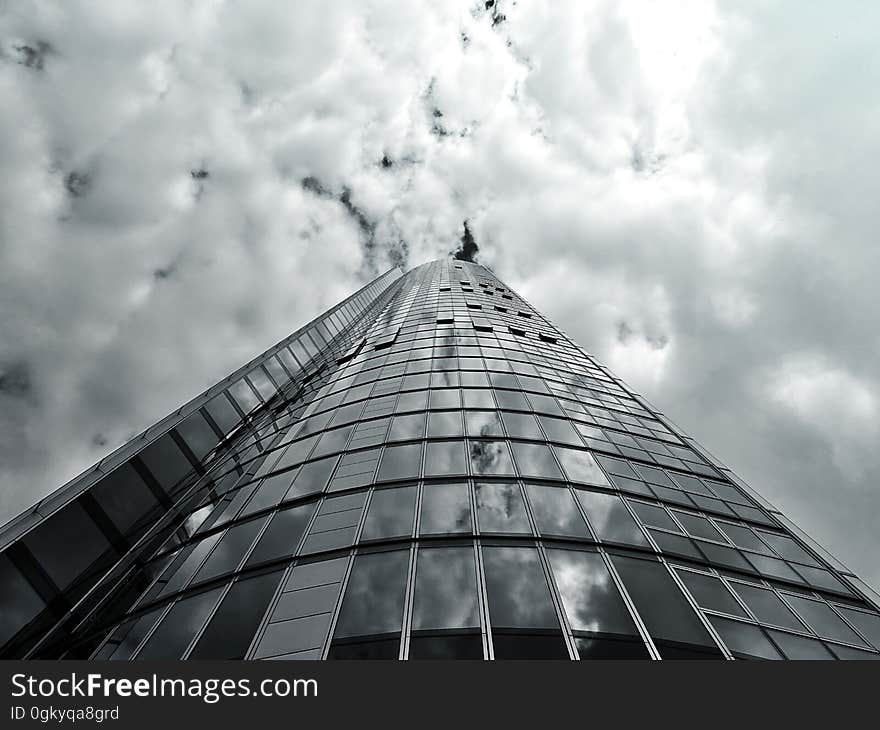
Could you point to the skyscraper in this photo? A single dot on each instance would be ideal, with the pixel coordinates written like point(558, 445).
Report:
point(431, 469)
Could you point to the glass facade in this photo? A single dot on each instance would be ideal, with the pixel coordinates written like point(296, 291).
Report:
point(429, 470)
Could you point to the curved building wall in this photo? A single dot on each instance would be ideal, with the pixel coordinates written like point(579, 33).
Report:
point(460, 480)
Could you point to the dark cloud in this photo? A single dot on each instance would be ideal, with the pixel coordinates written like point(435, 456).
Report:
point(467, 247)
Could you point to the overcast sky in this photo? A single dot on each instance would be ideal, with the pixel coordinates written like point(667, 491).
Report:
point(692, 196)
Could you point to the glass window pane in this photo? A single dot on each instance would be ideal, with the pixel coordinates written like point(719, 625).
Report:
point(699, 526)
point(404, 428)
point(744, 640)
point(663, 608)
point(581, 467)
point(559, 430)
point(373, 602)
point(445, 508)
point(179, 626)
point(391, 513)
point(235, 622)
point(230, 550)
point(283, 534)
point(555, 511)
point(517, 589)
point(446, 398)
point(500, 508)
point(445, 457)
point(867, 623)
point(490, 458)
point(593, 647)
point(478, 398)
point(655, 516)
point(800, 647)
point(823, 620)
point(19, 602)
point(444, 423)
point(610, 519)
point(400, 462)
point(483, 423)
point(445, 590)
point(711, 593)
point(312, 477)
point(519, 646)
point(589, 596)
point(535, 460)
point(522, 425)
point(767, 606)
point(469, 646)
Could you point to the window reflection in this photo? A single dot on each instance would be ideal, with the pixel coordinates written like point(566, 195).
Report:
point(391, 513)
point(400, 462)
point(609, 518)
point(500, 508)
point(179, 627)
point(589, 596)
point(445, 508)
point(445, 457)
point(555, 511)
point(490, 458)
point(445, 590)
point(373, 602)
point(444, 423)
point(483, 423)
point(517, 589)
point(580, 466)
point(535, 460)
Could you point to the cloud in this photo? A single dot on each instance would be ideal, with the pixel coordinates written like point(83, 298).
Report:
point(689, 194)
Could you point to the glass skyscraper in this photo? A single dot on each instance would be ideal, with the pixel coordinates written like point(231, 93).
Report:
point(431, 469)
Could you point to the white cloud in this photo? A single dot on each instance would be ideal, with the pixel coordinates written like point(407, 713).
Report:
point(702, 177)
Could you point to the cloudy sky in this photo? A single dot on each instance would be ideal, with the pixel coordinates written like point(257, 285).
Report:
point(691, 195)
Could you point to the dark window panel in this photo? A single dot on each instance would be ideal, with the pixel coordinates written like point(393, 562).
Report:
point(283, 534)
point(445, 589)
point(767, 606)
point(469, 646)
point(166, 462)
point(529, 647)
point(197, 434)
point(653, 515)
point(711, 593)
point(517, 589)
point(603, 647)
point(231, 549)
point(312, 477)
point(179, 626)
point(387, 649)
point(19, 602)
point(67, 544)
point(664, 610)
point(823, 620)
point(373, 602)
point(867, 623)
point(125, 498)
point(800, 647)
point(744, 640)
point(128, 636)
point(233, 625)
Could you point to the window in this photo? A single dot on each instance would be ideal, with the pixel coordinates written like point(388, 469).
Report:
point(535, 460)
point(490, 458)
point(555, 511)
point(391, 514)
point(590, 598)
point(744, 640)
point(235, 622)
point(312, 477)
point(610, 519)
point(445, 508)
point(483, 423)
point(179, 626)
point(671, 622)
point(443, 458)
point(651, 514)
point(711, 593)
point(445, 589)
point(230, 550)
point(580, 466)
point(500, 508)
point(823, 620)
point(517, 589)
point(283, 534)
point(373, 602)
point(400, 462)
point(767, 606)
point(559, 430)
point(404, 428)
